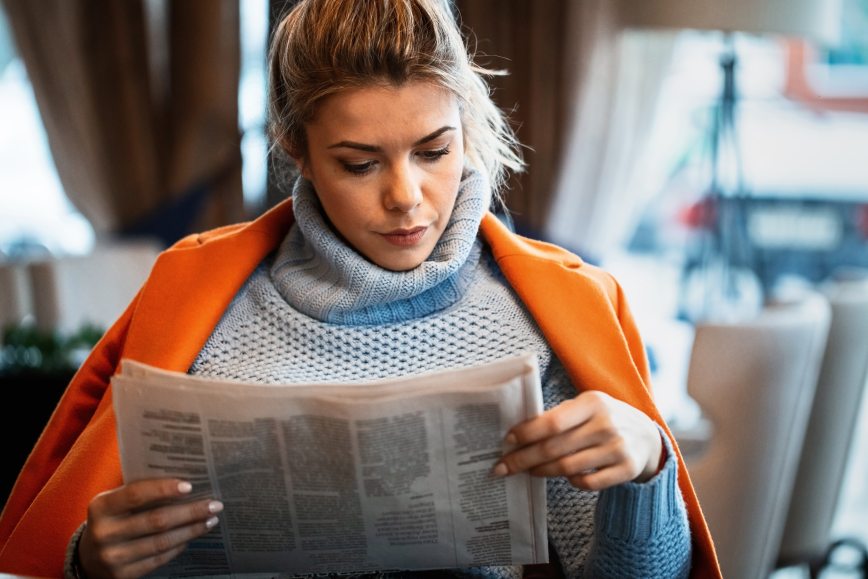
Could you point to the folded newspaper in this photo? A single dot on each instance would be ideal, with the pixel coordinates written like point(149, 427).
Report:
point(338, 478)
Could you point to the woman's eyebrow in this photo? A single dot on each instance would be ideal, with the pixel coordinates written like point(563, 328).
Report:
point(375, 149)
point(433, 135)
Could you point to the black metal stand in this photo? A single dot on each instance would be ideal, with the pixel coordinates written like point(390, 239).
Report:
point(727, 172)
point(724, 248)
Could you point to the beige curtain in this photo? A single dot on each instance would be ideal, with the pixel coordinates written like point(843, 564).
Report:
point(581, 96)
point(602, 187)
point(139, 101)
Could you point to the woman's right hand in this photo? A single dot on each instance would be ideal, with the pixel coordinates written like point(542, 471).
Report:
point(134, 529)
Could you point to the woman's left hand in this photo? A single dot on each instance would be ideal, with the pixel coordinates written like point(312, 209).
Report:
point(594, 440)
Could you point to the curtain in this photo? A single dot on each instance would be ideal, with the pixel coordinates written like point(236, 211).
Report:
point(581, 95)
point(528, 40)
point(139, 102)
point(602, 189)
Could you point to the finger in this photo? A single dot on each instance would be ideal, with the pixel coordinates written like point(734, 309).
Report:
point(550, 449)
point(139, 495)
point(157, 520)
point(601, 479)
point(584, 462)
point(145, 566)
point(563, 417)
point(153, 546)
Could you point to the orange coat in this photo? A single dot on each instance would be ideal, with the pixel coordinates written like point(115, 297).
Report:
point(580, 310)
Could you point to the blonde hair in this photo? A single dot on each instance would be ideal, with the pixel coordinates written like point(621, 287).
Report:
point(322, 47)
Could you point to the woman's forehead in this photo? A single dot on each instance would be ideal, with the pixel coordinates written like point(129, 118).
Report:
point(385, 112)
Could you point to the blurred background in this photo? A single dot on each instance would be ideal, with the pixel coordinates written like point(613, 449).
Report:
point(712, 155)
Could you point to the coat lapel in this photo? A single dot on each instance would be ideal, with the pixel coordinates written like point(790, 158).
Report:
point(192, 285)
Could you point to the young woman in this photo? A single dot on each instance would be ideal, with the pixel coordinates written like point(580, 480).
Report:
point(385, 262)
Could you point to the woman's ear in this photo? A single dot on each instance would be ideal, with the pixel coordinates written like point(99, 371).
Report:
point(303, 167)
point(298, 158)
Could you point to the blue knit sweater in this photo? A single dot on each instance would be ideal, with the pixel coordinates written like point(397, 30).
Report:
point(318, 311)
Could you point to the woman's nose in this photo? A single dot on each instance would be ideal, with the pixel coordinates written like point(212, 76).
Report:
point(403, 191)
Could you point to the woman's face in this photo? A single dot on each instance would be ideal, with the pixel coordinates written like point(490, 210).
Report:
point(386, 163)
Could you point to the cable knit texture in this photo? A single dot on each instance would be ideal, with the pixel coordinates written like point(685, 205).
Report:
point(328, 280)
point(630, 530)
point(318, 311)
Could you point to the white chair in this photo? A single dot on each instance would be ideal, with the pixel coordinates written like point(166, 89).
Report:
point(95, 288)
point(16, 303)
point(837, 401)
point(755, 382)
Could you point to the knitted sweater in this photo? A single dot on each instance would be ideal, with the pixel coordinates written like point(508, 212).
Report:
point(318, 311)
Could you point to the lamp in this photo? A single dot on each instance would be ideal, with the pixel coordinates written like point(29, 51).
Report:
point(728, 257)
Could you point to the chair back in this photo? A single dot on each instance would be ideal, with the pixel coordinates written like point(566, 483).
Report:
point(755, 382)
point(95, 288)
point(16, 304)
point(840, 387)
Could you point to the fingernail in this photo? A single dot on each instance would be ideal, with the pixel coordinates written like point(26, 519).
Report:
point(184, 487)
point(499, 470)
point(215, 506)
point(510, 438)
point(211, 522)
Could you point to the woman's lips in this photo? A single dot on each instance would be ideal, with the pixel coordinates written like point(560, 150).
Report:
point(405, 237)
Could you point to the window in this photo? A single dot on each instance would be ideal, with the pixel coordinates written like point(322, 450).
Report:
point(35, 215)
point(251, 102)
point(807, 183)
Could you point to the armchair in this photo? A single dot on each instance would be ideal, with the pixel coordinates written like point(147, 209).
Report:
point(755, 382)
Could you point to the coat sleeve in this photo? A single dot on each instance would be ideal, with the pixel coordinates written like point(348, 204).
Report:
point(74, 459)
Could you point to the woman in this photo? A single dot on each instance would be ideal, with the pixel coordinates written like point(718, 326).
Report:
point(384, 263)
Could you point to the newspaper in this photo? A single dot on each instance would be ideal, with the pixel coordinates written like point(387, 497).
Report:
point(382, 475)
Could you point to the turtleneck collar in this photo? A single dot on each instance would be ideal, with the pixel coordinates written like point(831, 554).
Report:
point(318, 274)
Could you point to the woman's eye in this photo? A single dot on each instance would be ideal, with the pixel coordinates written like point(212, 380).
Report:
point(433, 155)
point(358, 168)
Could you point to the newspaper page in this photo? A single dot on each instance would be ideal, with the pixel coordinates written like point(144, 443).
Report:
point(340, 478)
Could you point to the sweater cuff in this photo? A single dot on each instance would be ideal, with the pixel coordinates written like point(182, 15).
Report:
point(71, 566)
point(638, 511)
